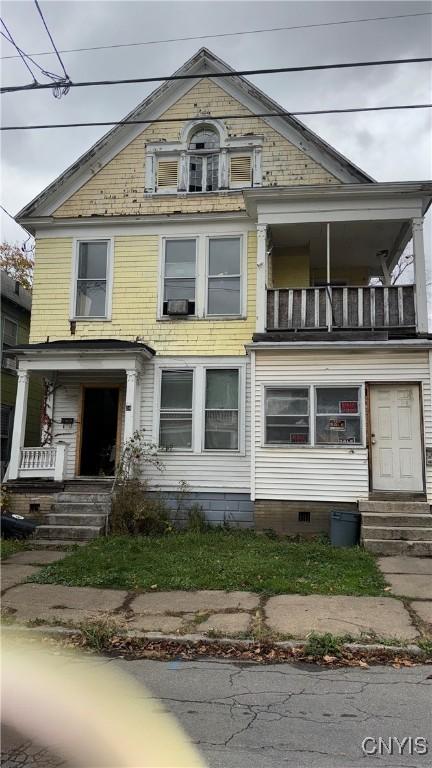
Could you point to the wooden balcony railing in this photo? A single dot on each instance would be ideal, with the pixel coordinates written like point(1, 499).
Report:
point(339, 308)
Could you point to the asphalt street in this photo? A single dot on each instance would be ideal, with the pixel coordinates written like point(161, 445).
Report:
point(299, 716)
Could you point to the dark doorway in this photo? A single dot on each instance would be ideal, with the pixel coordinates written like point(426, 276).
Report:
point(99, 431)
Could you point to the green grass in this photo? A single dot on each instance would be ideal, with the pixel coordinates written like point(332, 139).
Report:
point(10, 546)
point(231, 560)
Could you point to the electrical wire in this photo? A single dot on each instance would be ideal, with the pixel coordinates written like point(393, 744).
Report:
point(231, 73)
point(62, 84)
point(51, 39)
point(21, 55)
point(226, 34)
point(205, 118)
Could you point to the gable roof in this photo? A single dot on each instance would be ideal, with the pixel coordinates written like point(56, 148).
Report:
point(203, 63)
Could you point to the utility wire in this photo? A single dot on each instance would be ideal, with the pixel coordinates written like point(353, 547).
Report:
point(21, 55)
point(51, 39)
point(231, 73)
point(205, 118)
point(226, 34)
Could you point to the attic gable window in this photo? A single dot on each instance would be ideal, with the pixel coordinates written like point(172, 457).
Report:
point(204, 166)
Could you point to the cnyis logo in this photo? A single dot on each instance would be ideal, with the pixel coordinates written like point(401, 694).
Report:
point(406, 745)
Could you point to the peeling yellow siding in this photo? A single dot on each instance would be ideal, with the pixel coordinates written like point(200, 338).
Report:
point(118, 189)
point(134, 302)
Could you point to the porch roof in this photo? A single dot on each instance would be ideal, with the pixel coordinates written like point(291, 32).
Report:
point(84, 345)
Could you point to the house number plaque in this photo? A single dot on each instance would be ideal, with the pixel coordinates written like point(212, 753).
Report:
point(429, 457)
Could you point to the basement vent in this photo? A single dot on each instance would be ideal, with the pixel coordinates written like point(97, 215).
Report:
point(167, 174)
point(34, 507)
point(240, 170)
point(304, 517)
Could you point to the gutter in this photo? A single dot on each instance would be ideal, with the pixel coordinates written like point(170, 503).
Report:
point(351, 346)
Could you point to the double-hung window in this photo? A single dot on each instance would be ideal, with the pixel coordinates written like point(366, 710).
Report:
point(180, 273)
point(91, 290)
point(313, 416)
point(337, 416)
point(287, 416)
point(222, 410)
point(224, 276)
point(175, 424)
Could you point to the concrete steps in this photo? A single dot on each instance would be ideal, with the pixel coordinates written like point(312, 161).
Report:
point(396, 527)
point(79, 512)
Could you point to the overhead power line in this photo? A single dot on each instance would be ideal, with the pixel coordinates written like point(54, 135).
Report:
point(63, 84)
point(227, 34)
point(204, 118)
point(233, 73)
point(20, 54)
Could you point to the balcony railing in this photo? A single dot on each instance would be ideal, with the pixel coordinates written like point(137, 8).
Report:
point(339, 308)
point(43, 462)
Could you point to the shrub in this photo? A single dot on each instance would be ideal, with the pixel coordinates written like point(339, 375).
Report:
point(135, 511)
point(196, 520)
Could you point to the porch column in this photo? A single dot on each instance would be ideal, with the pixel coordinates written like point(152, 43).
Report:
point(420, 275)
point(19, 426)
point(261, 297)
point(131, 421)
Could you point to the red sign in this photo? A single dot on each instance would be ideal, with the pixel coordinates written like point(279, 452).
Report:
point(298, 437)
point(348, 406)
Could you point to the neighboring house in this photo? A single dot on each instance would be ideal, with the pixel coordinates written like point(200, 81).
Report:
point(15, 329)
point(207, 279)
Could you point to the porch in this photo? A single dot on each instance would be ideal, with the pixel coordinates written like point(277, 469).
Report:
point(327, 259)
point(82, 381)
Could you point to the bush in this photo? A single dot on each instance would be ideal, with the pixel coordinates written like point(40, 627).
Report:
point(196, 520)
point(136, 512)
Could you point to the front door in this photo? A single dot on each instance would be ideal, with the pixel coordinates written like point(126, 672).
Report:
point(396, 442)
point(99, 420)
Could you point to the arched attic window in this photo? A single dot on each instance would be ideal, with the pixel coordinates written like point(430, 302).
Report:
point(204, 144)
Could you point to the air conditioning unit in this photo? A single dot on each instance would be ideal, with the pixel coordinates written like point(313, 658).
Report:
point(9, 363)
point(178, 307)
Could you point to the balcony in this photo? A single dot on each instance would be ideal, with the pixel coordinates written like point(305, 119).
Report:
point(330, 308)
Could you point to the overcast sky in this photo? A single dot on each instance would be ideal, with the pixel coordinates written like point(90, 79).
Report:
point(389, 146)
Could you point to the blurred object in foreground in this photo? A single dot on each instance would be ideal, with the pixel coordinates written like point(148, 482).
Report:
point(83, 710)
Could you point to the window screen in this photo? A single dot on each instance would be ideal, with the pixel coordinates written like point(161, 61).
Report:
point(224, 275)
point(287, 416)
point(175, 426)
point(337, 416)
point(222, 410)
point(180, 270)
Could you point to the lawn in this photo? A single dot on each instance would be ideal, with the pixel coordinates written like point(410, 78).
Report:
point(231, 560)
point(10, 546)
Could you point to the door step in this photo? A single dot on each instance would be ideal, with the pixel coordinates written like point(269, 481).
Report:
point(77, 515)
point(408, 548)
point(69, 533)
point(396, 527)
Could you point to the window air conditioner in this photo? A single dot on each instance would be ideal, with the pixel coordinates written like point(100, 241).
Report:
point(178, 307)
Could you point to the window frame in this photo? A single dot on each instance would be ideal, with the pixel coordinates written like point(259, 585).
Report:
point(204, 154)
point(312, 388)
point(109, 279)
point(226, 367)
point(198, 405)
point(16, 324)
point(241, 276)
point(162, 254)
point(176, 369)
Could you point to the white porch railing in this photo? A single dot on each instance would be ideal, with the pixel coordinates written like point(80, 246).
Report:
point(43, 462)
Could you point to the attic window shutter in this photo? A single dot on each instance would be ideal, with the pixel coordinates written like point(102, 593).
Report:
point(167, 174)
point(240, 170)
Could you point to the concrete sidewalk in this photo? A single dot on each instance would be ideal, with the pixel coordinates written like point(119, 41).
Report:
point(213, 612)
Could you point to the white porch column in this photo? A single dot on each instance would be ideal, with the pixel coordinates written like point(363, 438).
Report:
point(420, 275)
point(261, 297)
point(131, 421)
point(19, 426)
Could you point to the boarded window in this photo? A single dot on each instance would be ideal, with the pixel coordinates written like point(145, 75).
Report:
point(167, 175)
point(240, 170)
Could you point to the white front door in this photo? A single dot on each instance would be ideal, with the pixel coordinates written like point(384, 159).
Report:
point(397, 455)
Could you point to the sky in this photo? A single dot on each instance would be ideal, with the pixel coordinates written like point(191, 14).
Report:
point(393, 146)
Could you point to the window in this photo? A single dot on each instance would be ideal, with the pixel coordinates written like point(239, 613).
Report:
point(222, 410)
point(337, 416)
point(224, 275)
point(180, 273)
point(92, 279)
point(175, 427)
point(9, 332)
point(287, 416)
point(204, 166)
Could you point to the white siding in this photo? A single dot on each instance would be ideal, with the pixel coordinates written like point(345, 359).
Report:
point(67, 405)
point(328, 474)
point(216, 471)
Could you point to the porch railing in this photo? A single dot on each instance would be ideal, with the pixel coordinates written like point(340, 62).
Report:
point(49, 462)
point(338, 308)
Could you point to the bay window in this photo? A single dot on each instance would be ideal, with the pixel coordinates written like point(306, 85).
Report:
point(337, 416)
point(222, 410)
point(175, 426)
point(224, 276)
point(91, 292)
point(180, 273)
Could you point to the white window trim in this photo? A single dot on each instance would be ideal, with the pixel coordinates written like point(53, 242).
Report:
point(201, 275)
point(312, 416)
point(198, 405)
point(109, 280)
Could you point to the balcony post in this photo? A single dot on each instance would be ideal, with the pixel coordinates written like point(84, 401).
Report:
point(131, 418)
point(261, 297)
point(19, 425)
point(60, 461)
point(420, 275)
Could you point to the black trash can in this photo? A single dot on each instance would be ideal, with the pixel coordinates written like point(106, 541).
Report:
point(344, 528)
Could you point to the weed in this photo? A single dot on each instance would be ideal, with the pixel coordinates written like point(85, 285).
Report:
point(98, 634)
point(318, 645)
